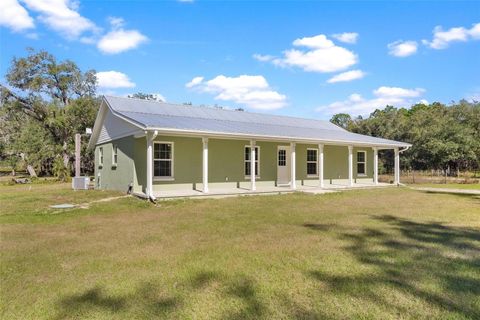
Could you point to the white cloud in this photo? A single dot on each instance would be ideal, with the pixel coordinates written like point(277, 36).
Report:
point(383, 96)
point(347, 37)
point(113, 79)
point(262, 57)
point(402, 48)
point(14, 16)
point(120, 40)
point(347, 76)
point(252, 91)
point(159, 97)
point(423, 101)
point(195, 81)
point(62, 16)
point(443, 38)
point(321, 55)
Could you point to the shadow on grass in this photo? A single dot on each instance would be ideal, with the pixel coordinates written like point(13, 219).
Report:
point(145, 298)
point(149, 301)
point(429, 263)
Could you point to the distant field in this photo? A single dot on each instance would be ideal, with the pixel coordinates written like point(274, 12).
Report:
point(392, 253)
point(470, 186)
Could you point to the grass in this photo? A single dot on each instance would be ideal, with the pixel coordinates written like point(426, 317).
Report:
point(388, 253)
point(469, 186)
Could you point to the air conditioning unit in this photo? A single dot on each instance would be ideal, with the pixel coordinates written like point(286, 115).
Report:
point(80, 183)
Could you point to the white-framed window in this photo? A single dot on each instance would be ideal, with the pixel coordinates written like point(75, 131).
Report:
point(163, 160)
point(361, 163)
point(114, 155)
point(248, 160)
point(100, 156)
point(312, 162)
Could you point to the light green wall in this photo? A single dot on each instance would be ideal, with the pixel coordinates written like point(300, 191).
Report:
point(226, 162)
point(119, 177)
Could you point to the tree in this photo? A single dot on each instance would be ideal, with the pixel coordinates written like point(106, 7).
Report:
point(49, 100)
point(147, 96)
point(343, 120)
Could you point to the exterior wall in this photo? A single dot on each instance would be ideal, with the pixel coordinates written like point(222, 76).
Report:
point(111, 177)
point(226, 163)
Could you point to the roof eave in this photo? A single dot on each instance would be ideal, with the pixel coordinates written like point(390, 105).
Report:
point(396, 144)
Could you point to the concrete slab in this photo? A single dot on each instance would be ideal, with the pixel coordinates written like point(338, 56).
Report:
point(228, 191)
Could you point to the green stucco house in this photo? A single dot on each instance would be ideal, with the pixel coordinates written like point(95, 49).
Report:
point(153, 147)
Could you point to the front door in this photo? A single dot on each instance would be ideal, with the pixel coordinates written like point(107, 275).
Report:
point(283, 165)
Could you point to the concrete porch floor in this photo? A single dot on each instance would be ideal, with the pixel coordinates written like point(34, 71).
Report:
point(221, 192)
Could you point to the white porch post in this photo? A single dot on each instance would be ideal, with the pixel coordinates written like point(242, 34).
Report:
point(320, 165)
point(149, 187)
point(205, 165)
point(253, 186)
point(397, 167)
point(350, 166)
point(293, 183)
point(375, 165)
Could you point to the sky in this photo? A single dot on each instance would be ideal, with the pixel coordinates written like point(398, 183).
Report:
point(300, 58)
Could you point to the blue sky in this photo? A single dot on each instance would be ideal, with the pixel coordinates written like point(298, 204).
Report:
point(309, 59)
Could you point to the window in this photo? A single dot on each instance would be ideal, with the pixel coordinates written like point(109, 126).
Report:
point(100, 156)
point(282, 157)
point(247, 161)
point(362, 163)
point(114, 155)
point(312, 162)
point(163, 160)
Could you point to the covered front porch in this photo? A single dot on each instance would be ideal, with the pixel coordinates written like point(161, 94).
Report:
point(226, 190)
point(186, 166)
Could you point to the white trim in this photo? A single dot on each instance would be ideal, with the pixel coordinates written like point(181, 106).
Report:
point(365, 162)
point(114, 153)
point(293, 164)
point(257, 176)
point(172, 175)
point(320, 165)
point(350, 166)
point(397, 167)
point(375, 166)
point(205, 164)
point(316, 164)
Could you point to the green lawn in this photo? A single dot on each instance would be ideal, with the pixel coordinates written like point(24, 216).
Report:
point(469, 186)
point(391, 253)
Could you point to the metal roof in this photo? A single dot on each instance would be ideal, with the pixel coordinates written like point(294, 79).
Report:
point(156, 115)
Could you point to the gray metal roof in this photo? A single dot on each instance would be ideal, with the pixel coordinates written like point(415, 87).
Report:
point(166, 116)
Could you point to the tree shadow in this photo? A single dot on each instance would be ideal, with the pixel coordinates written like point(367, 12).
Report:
point(149, 298)
point(145, 298)
point(244, 289)
point(429, 262)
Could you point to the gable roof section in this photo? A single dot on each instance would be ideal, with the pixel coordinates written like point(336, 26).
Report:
point(173, 118)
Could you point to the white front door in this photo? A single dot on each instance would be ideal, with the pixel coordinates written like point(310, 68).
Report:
point(283, 165)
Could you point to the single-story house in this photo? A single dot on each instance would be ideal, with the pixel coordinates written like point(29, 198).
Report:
point(152, 146)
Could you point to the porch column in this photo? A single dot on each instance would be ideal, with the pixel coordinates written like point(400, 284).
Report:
point(205, 165)
point(375, 165)
point(397, 167)
point(253, 186)
point(293, 183)
point(350, 166)
point(149, 188)
point(320, 165)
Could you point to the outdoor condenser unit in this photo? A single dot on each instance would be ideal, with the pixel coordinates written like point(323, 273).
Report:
point(80, 183)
